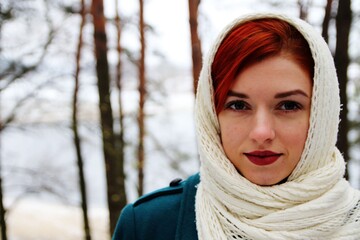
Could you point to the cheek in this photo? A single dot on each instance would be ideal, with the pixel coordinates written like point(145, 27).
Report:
point(231, 135)
point(295, 136)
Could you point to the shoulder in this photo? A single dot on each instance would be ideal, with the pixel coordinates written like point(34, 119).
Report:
point(156, 212)
point(169, 195)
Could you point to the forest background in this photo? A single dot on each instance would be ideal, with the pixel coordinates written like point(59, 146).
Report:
point(96, 104)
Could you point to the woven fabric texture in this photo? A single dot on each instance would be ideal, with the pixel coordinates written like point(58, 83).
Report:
point(315, 202)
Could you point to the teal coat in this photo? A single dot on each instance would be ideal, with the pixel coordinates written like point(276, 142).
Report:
point(166, 214)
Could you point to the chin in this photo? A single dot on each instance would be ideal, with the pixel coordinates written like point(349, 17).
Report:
point(268, 182)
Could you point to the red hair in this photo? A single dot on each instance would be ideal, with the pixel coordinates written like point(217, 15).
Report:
point(252, 42)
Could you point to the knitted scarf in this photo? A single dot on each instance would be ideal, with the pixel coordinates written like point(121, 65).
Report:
point(314, 203)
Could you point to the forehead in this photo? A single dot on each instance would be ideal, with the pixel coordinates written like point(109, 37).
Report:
point(273, 74)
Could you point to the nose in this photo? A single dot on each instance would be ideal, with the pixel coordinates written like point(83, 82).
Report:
point(262, 130)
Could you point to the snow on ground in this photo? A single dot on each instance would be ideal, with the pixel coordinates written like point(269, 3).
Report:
point(41, 220)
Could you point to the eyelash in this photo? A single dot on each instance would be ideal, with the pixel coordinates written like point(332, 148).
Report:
point(294, 106)
point(231, 105)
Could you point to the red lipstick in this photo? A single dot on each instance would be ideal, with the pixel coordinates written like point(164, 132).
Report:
point(262, 158)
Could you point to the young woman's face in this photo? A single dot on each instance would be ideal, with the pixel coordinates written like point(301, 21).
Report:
point(265, 119)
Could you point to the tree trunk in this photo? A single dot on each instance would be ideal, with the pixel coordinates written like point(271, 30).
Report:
point(2, 210)
point(343, 24)
point(142, 92)
point(102, 71)
point(326, 22)
point(75, 129)
point(304, 8)
point(195, 41)
point(120, 142)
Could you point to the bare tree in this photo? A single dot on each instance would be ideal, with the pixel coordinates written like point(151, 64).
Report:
point(326, 22)
point(2, 209)
point(102, 71)
point(142, 93)
point(16, 70)
point(195, 41)
point(75, 124)
point(13, 71)
point(120, 142)
point(304, 8)
point(343, 25)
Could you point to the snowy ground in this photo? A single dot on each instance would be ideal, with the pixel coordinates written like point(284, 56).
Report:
point(35, 220)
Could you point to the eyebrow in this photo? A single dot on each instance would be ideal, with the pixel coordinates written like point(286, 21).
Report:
point(237, 94)
point(291, 93)
point(278, 95)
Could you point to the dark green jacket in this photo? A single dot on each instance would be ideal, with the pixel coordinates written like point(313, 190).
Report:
point(166, 214)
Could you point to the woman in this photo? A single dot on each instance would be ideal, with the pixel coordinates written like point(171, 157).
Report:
point(267, 111)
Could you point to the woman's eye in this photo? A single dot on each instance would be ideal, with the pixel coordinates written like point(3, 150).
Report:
point(237, 105)
point(290, 106)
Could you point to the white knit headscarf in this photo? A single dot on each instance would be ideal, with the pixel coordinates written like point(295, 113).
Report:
point(314, 203)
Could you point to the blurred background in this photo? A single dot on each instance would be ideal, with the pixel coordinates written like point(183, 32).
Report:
point(96, 104)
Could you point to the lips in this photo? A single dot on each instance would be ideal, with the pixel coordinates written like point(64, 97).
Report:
point(263, 158)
